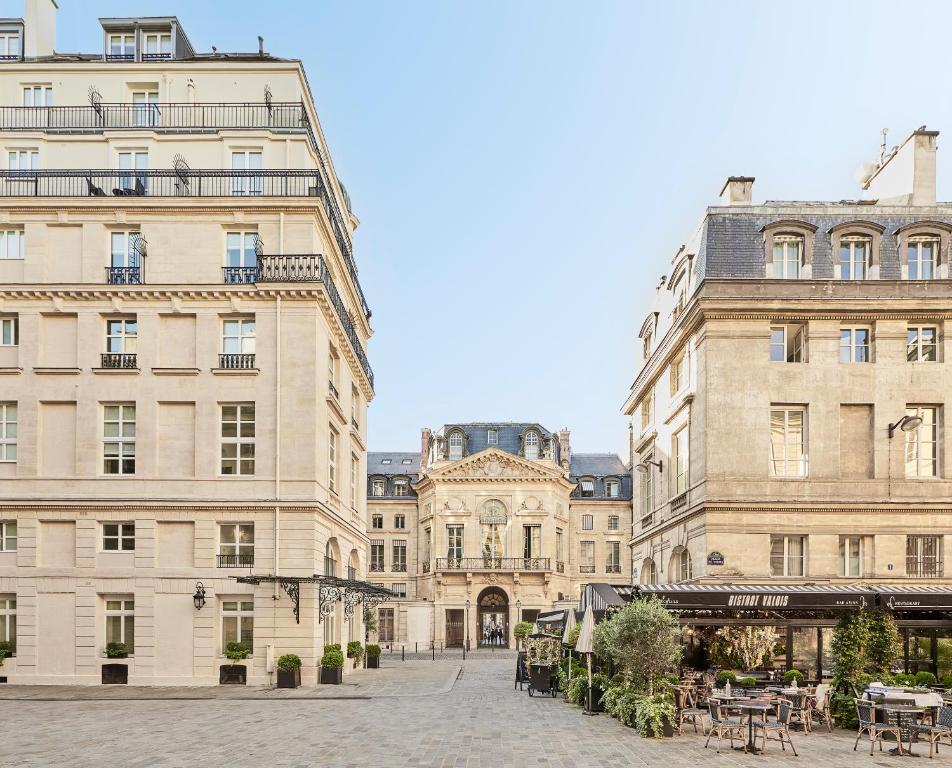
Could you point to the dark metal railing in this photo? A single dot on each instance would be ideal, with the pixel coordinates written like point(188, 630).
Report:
point(586, 569)
point(124, 275)
point(399, 568)
point(294, 268)
point(333, 390)
point(929, 569)
point(238, 275)
point(117, 360)
point(612, 568)
point(156, 56)
point(492, 564)
point(235, 361)
point(376, 567)
point(236, 561)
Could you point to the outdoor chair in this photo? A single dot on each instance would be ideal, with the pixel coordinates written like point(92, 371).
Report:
point(687, 711)
point(800, 708)
point(820, 707)
point(780, 727)
point(93, 190)
point(721, 725)
point(865, 713)
point(934, 733)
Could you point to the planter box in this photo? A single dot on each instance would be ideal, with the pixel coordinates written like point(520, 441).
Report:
point(290, 678)
point(115, 674)
point(123, 655)
point(373, 662)
point(330, 676)
point(232, 674)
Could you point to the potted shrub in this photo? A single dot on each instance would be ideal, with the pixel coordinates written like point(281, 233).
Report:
point(747, 682)
point(6, 650)
point(924, 679)
point(355, 651)
point(289, 671)
point(793, 674)
point(521, 631)
point(373, 656)
point(655, 715)
point(234, 673)
point(724, 677)
point(332, 667)
point(116, 650)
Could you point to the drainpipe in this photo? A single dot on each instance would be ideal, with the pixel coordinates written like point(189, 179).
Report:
point(277, 442)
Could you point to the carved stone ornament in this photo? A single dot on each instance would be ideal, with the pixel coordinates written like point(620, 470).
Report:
point(531, 503)
point(492, 578)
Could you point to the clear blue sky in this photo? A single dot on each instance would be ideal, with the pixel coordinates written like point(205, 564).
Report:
point(524, 171)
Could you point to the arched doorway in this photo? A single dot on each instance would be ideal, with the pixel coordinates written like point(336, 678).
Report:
point(493, 627)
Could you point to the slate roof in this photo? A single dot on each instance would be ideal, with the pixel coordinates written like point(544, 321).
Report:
point(507, 435)
point(396, 468)
point(598, 466)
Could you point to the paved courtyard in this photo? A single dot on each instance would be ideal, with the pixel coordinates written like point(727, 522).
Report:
point(446, 713)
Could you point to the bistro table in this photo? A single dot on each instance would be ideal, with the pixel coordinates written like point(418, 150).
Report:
point(752, 707)
point(903, 715)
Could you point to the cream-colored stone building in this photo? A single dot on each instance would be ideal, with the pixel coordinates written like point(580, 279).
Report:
point(184, 386)
point(489, 524)
point(790, 414)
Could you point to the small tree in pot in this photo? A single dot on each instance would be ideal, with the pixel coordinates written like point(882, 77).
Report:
point(355, 651)
point(332, 667)
point(521, 631)
point(373, 656)
point(289, 671)
point(234, 673)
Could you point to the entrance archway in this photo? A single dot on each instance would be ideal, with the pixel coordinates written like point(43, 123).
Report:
point(493, 627)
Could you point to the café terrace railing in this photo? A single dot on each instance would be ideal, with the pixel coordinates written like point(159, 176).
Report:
point(492, 564)
point(186, 118)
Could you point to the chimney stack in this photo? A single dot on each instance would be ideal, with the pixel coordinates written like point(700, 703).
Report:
point(565, 449)
point(426, 440)
point(907, 175)
point(260, 46)
point(39, 27)
point(737, 190)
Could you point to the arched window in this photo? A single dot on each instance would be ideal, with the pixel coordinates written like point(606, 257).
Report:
point(855, 257)
point(456, 446)
point(331, 554)
point(649, 572)
point(680, 568)
point(532, 444)
point(493, 520)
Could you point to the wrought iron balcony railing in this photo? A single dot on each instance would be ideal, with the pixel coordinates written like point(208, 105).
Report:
point(376, 567)
point(236, 361)
point(293, 268)
point(586, 569)
point(124, 275)
point(925, 569)
point(236, 561)
point(492, 564)
point(117, 360)
point(612, 568)
point(399, 568)
point(239, 275)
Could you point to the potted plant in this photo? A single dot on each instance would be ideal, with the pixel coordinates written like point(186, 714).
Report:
point(521, 631)
point(116, 650)
point(373, 656)
point(6, 650)
point(724, 677)
point(289, 671)
point(355, 651)
point(234, 673)
point(655, 715)
point(793, 674)
point(332, 666)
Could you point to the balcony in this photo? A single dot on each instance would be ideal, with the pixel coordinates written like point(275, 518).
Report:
point(613, 568)
point(117, 360)
point(292, 268)
point(236, 561)
point(376, 567)
point(236, 362)
point(492, 564)
point(239, 275)
point(124, 275)
point(586, 569)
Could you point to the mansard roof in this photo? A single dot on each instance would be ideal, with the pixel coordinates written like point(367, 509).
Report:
point(599, 467)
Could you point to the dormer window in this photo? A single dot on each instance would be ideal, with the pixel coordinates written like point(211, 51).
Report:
point(158, 46)
point(532, 445)
point(612, 487)
point(386, 461)
point(586, 488)
point(923, 257)
point(456, 446)
point(787, 256)
point(492, 437)
point(378, 487)
point(855, 254)
point(401, 487)
point(10, 48)
point(122, 47)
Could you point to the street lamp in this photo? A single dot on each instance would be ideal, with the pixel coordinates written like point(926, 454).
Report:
point(644, 467)
point(906, 424)
point(199, 597)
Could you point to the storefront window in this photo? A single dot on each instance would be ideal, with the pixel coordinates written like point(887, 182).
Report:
point(920, 650)
point(944, 647)
point(804, 650)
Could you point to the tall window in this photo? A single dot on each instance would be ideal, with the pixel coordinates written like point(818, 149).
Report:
point(851, 555)
point(788, 555)
point(238, 336)
point(788, 343)
point(354, 472)
point(9, 331)
point(531, 541)
point(613, 522)
point(399, 562)
point(426, 545)
point(922, 457)
point(456, 446)
point(532, 445)
point(680, 569)
point(586, 557)
point(332, 458)
point(787, 252)
point(132, 167)
point(121, 336)
point(401, 487)
point(157, 45)
point(118, 537)
point(558, 545)
point(8, 620)
point(123, 254)
point(588, 522)
point(23, 159)
point(385, 625)
point(922, 252)
point(646, 412)
point(613, 557)
point(8, 535)
point(376, 522)
point(788, 441)
point(240, 249)
point(399, 521)
point(238, 438)
point(679, 458)
point(12, 244)
point(38, 96)
point(493, 542)
point(247, 180)
point(333, 371)
point(378, 487)
point(854, 257)
point(144, 112)
point(376, 554)
point(236, 541)
point(586, 487)
point(238, 623)
point(678, 374)
point(646, 344)
point(855, 345)
point(492, 437)
point(612, 487)
point(647, 490)
point(924, 556)
point(649, 572)
point(119, 439)
point(355, 409)
point(121, 622)
point(122, 47)
point(10, 45)
point(454, 542)
point(8, 432)
point(922, 344)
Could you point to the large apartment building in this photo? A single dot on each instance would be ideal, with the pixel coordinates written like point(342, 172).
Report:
point(184, 388)
point(489, 524)
point(791, 411)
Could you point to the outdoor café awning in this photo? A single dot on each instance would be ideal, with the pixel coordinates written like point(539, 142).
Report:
point(760, 597)
point(551, 617)
point(915, 599)
point(331, 589)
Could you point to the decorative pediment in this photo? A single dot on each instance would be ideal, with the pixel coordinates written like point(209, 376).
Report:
point(494, 464)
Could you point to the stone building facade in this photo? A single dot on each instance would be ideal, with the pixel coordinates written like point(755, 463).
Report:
point(184, 386)
point(489, 524)
point(790, 415)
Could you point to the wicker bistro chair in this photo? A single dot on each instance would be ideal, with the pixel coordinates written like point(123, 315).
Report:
point(865, 713)
point(688, 712)
point(934, 733)
point(780, 727)
point(800, 708)
point(721, 724)
point(820, 707)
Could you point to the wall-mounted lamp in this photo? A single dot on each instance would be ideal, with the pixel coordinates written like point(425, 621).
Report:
point(199, 597)
point(645, 466)
point(906, 424)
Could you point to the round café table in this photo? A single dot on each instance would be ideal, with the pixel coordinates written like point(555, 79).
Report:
point(901, 722)
point(751, 708)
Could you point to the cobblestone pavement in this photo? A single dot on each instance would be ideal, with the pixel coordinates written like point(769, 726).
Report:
point(479, 722)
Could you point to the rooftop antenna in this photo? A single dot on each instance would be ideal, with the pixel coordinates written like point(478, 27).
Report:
point(260, 45)
point(882, 147)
